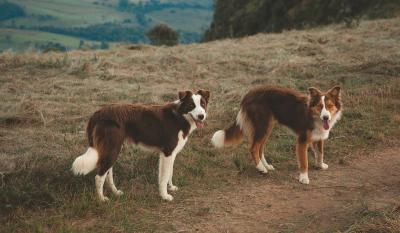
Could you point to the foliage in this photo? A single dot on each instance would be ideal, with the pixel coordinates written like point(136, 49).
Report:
point(100, 32)
point(104, 45)
point(51, 46)
point(162, 34)
point(10, 10)
point(239, 18)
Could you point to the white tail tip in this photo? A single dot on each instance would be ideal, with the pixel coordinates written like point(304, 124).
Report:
point(86, 162)
point(218, 139)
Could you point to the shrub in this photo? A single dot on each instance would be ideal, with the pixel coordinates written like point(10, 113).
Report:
point(162, 34)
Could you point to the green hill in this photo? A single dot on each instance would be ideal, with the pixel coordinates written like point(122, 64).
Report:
point(106, 20)
point(237, 18)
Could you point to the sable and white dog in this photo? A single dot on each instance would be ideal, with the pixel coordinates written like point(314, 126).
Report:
point(163, 128)
point(310, 116)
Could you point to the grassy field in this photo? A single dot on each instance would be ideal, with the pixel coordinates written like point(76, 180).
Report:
point(48, 98)
point(66, 13)
point(20, 40)
point(186, 20)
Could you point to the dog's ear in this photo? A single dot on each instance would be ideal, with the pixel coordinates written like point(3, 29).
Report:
point(313, 92)
point(205, 94)
point(334, 92)
point(183, 94)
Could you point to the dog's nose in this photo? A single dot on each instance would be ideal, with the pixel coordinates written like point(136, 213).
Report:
point(200, 116)
point(325, 118)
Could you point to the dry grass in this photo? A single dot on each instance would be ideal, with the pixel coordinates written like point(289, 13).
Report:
point(46, 100)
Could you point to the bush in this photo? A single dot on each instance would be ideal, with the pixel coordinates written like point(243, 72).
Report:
point(162, 34)
point(10, 10)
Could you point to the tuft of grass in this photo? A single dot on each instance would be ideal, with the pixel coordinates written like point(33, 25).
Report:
point(46, 100)
point(371, 221)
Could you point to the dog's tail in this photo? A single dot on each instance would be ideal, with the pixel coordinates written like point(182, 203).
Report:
point(86, 162)
point(234, 134)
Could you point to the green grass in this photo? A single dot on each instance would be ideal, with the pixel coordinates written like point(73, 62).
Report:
point(74, 13)
point(48, 98)
point(189, 20)
point(20, 40)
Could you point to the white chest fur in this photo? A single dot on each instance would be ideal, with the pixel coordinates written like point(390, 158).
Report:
point(319, 133)
point(181, 142)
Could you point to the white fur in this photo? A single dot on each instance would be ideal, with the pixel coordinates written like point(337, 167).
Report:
point(166, 166)
point(86, 162)
point(244, 123)
point(198, 110)
point(319, 159)
point(319, 133)
point(324, 111)
point(218, 139)
point(260, 167)
point(110, 183)
point(99, 186)
point(303, 178)
point(265, 163)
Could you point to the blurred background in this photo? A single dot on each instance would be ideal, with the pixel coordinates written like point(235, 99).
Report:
point(98, 24)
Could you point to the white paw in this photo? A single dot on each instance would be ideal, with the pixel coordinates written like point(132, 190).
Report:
point(303, 178)
point(270, 167)
point(118, 193)
point(104, 199)
point(172, 188)
point(167, 197)
point(260, 167)
point(323, 166)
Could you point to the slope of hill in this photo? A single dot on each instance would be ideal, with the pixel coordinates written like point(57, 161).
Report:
point(106, 20)
point(46, 100)
point(239, 18)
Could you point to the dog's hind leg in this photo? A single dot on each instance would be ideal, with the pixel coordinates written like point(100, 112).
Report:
point(255, 153)
point(110, 183)
point(264, 140)
point(108, 141)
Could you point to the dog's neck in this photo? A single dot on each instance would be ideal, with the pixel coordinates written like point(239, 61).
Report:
point(184, 119)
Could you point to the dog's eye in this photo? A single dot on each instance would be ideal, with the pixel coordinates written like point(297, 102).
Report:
point(191, 105)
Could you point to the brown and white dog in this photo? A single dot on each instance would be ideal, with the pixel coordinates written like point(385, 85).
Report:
point(310, 116)
point(163, 128)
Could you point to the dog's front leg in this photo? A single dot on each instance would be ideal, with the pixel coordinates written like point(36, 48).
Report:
point(165, 172)
point(171, 186)
point(318, 148)
point(301, 150)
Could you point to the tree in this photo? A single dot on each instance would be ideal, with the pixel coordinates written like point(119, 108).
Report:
point(104, 45)
point(162, 34)
point(123, 4)
point(81, 44)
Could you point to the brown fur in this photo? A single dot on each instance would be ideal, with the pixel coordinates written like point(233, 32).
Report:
point(155, 126)
point(263, 105)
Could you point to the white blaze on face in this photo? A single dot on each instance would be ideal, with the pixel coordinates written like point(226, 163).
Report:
point(198, 111)
point(325, 114)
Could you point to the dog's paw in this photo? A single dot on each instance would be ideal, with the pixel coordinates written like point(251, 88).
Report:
point(324, 166)
point(172, 188)
point(104, 199)
point(118, 193)
point(260, 167)
point(167, 197)
point(303, 178)
point(270, 167)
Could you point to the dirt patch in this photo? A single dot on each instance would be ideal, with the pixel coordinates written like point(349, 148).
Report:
point(332, 202)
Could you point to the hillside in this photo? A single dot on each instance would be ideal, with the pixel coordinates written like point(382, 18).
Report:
point(104, 20)
point(48, 98)
point(239, 18)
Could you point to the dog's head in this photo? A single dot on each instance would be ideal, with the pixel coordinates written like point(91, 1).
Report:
point(325, 106)
point(194, 106)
